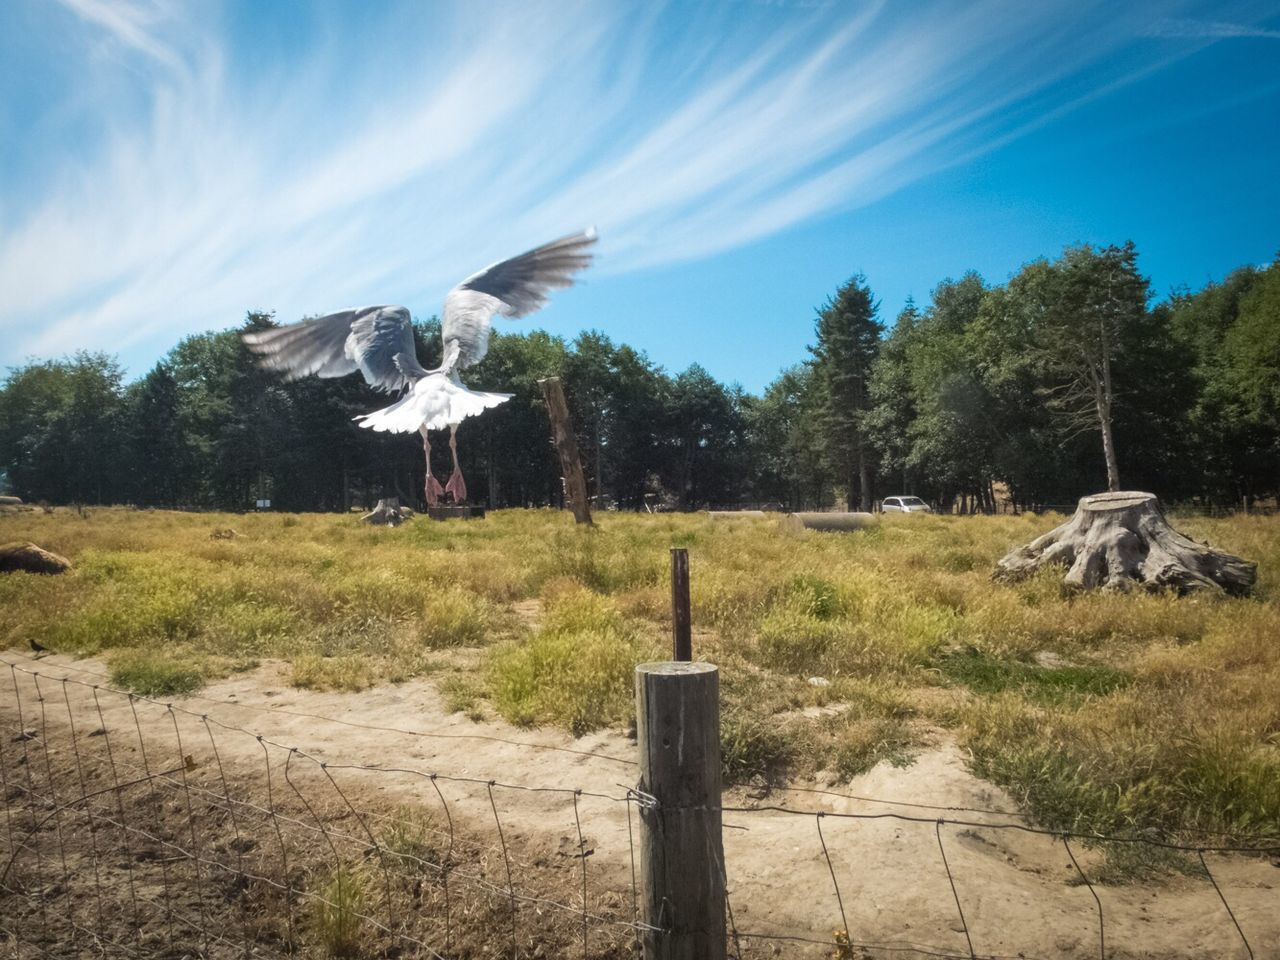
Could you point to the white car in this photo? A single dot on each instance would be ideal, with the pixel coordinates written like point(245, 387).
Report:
point(905, 505)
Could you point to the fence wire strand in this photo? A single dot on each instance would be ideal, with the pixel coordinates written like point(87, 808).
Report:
point(844, 920)
point(964, 924)
point(1102, 925)
point(114, 847)
point(1231, 913)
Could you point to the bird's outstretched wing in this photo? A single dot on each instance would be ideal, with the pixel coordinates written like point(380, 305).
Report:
point(512, 288)
point(377, 341)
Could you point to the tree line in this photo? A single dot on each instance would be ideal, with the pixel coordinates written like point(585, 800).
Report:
point(1065, 380)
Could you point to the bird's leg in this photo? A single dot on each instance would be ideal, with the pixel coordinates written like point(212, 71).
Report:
point(434, 491)
point(456, 485)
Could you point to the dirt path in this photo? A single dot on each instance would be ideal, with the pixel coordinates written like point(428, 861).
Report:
point(1019, 892)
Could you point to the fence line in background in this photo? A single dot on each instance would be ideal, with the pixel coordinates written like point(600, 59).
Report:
point(1004, 509)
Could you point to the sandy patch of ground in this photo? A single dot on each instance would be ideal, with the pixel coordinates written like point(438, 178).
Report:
point(1019, 893)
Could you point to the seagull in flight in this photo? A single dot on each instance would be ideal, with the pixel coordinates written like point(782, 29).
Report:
point(378, 342)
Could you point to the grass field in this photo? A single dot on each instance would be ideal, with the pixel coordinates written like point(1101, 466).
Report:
point(1099, 712)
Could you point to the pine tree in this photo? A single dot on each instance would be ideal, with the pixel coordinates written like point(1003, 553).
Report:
point(1097, 302)
point(848, 334)
point(157, 448)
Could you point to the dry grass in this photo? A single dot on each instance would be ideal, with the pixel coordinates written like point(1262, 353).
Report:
point(265, 883)
point(1152, 710)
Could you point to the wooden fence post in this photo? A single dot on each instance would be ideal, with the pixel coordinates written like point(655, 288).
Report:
point(681, 848)
point(575, 483)
point(681, 639)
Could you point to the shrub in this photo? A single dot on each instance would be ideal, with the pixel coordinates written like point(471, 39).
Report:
point(154, 674)
point(453, 617)
point(314, 672)
point(575, 672)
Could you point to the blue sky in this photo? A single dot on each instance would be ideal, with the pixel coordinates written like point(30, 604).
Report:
point(170, 165)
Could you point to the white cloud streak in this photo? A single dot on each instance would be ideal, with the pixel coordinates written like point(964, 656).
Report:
point(389, 163)
point(1209, 29)
point(131, 24)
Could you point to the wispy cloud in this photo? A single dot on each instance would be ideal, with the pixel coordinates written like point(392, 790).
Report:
point(130, 24)
point(382, 161)
point(1208, 29)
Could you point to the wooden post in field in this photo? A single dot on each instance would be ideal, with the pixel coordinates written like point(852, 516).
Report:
point(575, 484)
point(681, 849)
point(681, 639)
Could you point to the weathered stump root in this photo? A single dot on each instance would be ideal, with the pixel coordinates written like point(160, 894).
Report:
point(1117, 541)
point(388, 513)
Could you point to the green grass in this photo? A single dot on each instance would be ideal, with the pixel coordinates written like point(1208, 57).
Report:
point(985, 674)
point(464, 693)
point(155, 674)
point(413, 843)
point(336, 920)
point(576, 671)
point(753, 747)
point(314, 672)
point(1152, 711)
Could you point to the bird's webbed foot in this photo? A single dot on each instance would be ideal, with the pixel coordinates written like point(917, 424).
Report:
point(434, 490)
point(456, 487)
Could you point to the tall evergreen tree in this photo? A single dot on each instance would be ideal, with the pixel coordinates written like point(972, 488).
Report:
point(707, 433)
point(511, 458)
point(787, 465)
point(1246, 387)
point(893, 408)
point(848, 339)
point(953, 434)
point(159, 459)
point(1097, 299)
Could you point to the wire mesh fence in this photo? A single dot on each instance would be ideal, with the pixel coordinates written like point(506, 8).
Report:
point(1229, 939)
point(137, 828)
point(140, 828)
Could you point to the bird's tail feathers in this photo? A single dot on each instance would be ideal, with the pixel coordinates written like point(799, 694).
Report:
point(434, 402)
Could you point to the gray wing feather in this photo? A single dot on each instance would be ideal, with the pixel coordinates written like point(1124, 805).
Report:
point(512, 288)
point(367, 339)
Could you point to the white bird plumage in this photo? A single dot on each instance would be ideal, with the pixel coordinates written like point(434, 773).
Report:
point(378, 342)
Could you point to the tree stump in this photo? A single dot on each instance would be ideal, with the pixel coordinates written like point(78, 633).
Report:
point(1117, 541)
point(388, 513)
point(566, 444)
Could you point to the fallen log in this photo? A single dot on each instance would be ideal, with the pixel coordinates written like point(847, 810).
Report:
point(1122, 540)
point(831, 522)
point(29, 558)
